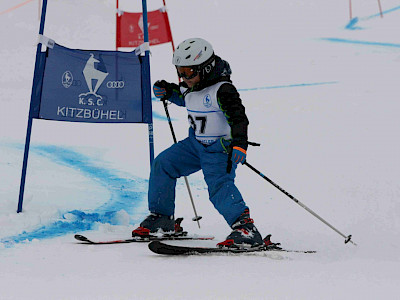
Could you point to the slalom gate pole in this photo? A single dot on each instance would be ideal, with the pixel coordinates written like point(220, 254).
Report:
point(196, 217)
point(31, 109)
point(350, 10)
point(117, 26)
point(146, 78)
point(380, 8)
point(347, 238)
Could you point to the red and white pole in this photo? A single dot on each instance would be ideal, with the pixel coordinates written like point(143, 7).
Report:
point(380, 8)
point(350, 10)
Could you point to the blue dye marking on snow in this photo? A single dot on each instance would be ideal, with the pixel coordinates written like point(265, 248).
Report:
point(383, 12)
point(286, 86)
point(264, 88)
point(159, 117)
point(366, 43)
point(58, 228)
point(352, 25)
point(126, 194)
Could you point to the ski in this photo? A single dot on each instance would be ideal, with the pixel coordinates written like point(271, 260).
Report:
point(84, 240)
point(179, 234)
point(159, 247)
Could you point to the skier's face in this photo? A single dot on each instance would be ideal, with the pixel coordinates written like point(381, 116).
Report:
point(193, 81)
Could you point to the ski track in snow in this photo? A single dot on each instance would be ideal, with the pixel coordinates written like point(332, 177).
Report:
point(126, 194)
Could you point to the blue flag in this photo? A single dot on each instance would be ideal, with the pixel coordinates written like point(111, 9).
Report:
point(92, 86)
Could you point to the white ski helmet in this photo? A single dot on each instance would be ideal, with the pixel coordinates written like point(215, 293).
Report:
point(195, 52)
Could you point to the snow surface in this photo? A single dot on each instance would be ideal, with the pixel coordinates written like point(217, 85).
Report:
point(321, 94)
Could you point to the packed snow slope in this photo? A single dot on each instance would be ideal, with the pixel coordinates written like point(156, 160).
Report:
point(321, 93)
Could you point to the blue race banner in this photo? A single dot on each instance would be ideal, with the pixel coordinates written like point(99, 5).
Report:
point(89, 86)
point(92, 86)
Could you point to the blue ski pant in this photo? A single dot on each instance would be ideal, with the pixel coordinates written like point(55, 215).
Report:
point(187, 157)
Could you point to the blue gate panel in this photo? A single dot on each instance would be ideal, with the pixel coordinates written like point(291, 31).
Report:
point(92, 86)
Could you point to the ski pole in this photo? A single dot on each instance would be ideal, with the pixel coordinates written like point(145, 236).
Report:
point(196, 217)
point(347, 238)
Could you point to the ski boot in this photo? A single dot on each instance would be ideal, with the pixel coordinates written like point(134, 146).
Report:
point(155, 225)
point(244, 234)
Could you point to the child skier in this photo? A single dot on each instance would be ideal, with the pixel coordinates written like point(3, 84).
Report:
point(217, 142)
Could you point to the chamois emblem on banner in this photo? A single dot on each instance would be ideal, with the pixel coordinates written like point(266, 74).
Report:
point(140, 23)
point(91, 73)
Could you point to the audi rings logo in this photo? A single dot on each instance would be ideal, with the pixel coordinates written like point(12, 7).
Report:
point(115, 84)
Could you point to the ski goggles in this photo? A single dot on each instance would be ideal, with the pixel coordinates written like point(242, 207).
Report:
point(187, 72)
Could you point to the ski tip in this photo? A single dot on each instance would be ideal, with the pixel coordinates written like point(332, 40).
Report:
point(159, 247)
point(81, 238)
point(155, 246)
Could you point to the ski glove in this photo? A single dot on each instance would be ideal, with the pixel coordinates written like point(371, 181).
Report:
point(238, 155)
point(162, 89)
